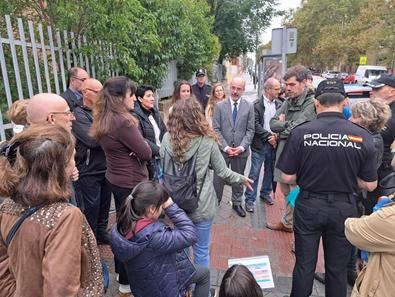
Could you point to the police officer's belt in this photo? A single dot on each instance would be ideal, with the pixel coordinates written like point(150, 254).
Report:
point(329, 196)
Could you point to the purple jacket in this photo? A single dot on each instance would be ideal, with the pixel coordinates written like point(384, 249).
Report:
point(155, 258)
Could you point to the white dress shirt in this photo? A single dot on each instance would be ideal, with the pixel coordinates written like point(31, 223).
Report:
point(270, 111)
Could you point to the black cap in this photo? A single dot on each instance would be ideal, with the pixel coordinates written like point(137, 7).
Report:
point(333, 86)
point(200, 72)
point(383, 80)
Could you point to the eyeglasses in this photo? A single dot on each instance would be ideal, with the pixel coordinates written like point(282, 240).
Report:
point(68, 113)
point(80, 79)
point(219, 90)
point(92, 90)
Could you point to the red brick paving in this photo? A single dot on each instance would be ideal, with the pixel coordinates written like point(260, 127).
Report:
point(235, 238)
point(232, 240)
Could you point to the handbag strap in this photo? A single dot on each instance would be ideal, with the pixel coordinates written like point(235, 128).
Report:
point(30, 211)
point(204, 177)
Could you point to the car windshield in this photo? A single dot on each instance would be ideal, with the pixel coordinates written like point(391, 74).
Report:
point(374, 73)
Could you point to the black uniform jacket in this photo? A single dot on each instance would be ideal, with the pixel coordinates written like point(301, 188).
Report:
point(328, 154)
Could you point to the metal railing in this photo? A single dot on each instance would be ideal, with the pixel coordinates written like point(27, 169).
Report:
point(35, 58)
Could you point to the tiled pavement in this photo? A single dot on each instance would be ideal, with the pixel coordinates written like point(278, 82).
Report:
point(235, 237)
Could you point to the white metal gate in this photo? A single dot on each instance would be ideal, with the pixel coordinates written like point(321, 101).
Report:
point(35, 59)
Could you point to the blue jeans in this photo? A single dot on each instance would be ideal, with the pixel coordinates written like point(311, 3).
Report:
point(267, 156)
point(201, 247)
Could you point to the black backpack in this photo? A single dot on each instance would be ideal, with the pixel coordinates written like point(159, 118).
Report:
point(180, 181)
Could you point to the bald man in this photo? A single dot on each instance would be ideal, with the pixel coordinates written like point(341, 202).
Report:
point(263, 147)
point(49, 108)
point(92, 189)
point(233, 121)
point(73, 95)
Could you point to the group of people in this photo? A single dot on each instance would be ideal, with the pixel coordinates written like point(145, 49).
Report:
point(94, 141)
point(99, 140)
point(335, 161)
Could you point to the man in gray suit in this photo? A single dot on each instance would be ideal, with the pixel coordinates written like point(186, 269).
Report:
point(234, 123)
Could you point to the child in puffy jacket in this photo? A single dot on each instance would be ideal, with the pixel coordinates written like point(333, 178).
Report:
point(153, 253)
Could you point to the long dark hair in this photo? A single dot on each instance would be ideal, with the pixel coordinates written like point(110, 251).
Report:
point(238, 281)
point(177, 90)
point(144, 195)
point(110, 105)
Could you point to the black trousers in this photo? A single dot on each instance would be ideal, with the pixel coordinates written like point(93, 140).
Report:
point(323, 216)
point(120, 194)
point(94, 198)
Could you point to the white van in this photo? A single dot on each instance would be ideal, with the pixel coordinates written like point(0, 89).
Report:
point(367, 73)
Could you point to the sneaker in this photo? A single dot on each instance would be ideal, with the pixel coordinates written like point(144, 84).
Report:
point(249, 207)
point(268, 199)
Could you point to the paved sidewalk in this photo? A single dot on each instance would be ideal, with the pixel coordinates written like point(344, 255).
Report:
point(236, 237)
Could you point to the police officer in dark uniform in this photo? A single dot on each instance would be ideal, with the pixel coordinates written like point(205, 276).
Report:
point(330, 158)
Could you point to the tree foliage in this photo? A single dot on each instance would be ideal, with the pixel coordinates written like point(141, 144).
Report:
point(145, 34)
point(325, 32)
point(376, 29)
point(238, 24)
point(335, 33)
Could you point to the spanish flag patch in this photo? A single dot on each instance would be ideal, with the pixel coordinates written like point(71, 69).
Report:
point(355, 138)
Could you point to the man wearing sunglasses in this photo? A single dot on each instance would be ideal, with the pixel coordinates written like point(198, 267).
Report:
point(73, 95)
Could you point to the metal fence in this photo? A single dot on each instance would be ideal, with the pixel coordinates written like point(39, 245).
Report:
point(35, 58)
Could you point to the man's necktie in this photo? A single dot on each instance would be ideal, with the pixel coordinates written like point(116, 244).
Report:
point(234, 113)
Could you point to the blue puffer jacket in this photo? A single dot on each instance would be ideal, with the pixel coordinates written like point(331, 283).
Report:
point(155, 260)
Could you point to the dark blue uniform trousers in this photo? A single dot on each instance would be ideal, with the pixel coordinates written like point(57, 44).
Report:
point(323, 216)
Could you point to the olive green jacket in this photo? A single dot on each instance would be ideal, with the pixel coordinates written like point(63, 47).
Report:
point(296, 112)
point(208, 154)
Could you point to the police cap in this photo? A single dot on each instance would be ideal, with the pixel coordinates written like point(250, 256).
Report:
point(383, 80)
point(200, 72)
point(330, 86)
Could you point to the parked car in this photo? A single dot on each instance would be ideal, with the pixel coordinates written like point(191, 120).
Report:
point(367, 73)
point(349, 79)
point(342, 75)
point(354, 92)
point(330, 74)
